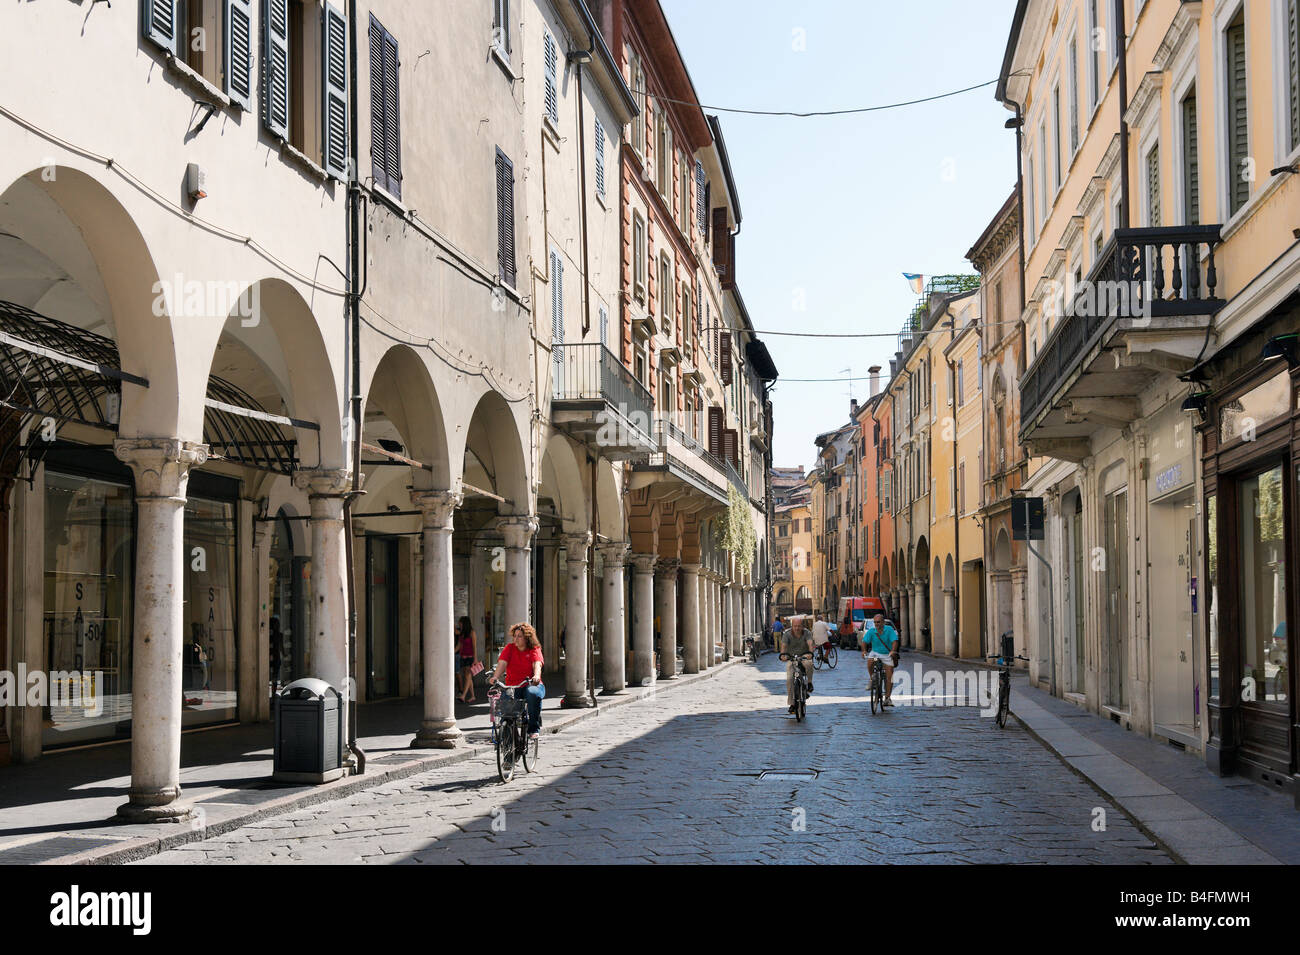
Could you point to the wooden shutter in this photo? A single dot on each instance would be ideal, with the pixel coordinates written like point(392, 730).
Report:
point(720, 240)
point(715, 430)
point(1191, 163)
point(552, 90)
point(239, 52)
point(275, 67)
point(729, 446)
point(377, 145)
point(724, 342)
point(1153, 186)
point(334, 68)
point(1238, 135)
point(392, 117)
point(161, 23)
point(505, 219)
point(600, 159)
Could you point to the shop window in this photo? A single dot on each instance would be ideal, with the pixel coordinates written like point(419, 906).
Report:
point(209, 660)
point(1263, 588)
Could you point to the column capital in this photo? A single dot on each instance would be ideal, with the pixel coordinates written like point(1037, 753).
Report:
point(692, 569)
point(161, 465)
point(438, 507)
point(644, 563)
point(576, 543)
point(613, 552)
point(667, 567)
point(518, 530)
point(323, 482)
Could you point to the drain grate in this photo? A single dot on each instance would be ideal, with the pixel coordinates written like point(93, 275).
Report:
point(787, 775)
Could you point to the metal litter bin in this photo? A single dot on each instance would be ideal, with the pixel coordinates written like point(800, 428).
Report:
point(308, 732)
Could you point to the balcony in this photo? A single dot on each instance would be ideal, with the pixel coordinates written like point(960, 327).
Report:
point(681, 469)
point(598, 401)
point(1142, 311)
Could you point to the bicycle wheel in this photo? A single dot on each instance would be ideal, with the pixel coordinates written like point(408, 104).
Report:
point(832, 657)
point(817, 660)
point(506, 753)
point(1004, 701)
point(877, 703)
point(800, 707)
point(532, 748)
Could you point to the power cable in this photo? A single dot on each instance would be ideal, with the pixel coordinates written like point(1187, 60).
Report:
point(819, 112)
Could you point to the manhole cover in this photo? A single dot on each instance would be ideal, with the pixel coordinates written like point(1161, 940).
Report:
point(787, 775)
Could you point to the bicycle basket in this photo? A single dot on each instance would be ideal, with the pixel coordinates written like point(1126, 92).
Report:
point(509, 708)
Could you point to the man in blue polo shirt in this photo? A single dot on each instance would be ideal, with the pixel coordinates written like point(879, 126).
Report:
point(880, 648)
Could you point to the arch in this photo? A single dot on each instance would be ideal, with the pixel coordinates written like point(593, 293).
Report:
point(921, 558)
point(949, 573)
point(936, 575)
point(802, 593)
point(610, 519)
point(885, 580)
point(74, 252)
point(402, 405)
point(1002, 551)
point(494, 453)
point(782, 595)
point(562, 482)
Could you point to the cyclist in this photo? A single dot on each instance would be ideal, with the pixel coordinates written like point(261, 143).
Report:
point(795, 642)
point(821, 634)
point(848, 633)
point(521, 661)
point(880, 648)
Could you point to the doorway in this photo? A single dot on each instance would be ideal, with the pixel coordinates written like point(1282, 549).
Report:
point(381, 617)
point(1172, 522)
point(1116, 572)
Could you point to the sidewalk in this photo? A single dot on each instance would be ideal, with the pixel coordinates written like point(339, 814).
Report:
point(59, 809)
point(1200, 817)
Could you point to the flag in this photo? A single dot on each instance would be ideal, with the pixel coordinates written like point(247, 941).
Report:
point(917, 281)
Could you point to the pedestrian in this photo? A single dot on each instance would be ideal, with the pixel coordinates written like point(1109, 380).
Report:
point(465, 659)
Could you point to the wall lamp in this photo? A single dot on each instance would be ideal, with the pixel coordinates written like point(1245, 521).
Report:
point(1281, 346)
point(1278, 170)
point(1197, 401)
point(581, 57)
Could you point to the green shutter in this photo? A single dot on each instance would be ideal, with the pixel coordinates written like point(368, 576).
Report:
point(392, 117)
point(334, 81)
point(1191, 163)
point(552, 89)
point(1238, 119)
point(239, 52)
point(1293, 69)
point(275, 67)
point(1153, 186)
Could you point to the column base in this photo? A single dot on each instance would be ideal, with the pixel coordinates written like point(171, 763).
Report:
point(437, 734)
point(613, 691)
point(575, 701)
point(155, 806)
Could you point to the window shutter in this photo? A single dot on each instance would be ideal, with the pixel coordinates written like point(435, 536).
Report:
point(701, 209)
point(1074, 95)
point(604, 325)
point(161, 24)
point(729, 446)
point(334, 63)
point(724, 343)
point(505, 219)
point(239, 52)
point(1191, 163)
point(1238, 137)
point(1153, 186)
point(600, 159)
point(557, 314)
point(275, 67)
point(552, 91)
point(715, 430)
point(392, 117)
point(720, 240)
point(1293, 69)
point(377, 134)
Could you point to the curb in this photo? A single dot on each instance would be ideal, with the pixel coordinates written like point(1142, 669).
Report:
point(141, 847)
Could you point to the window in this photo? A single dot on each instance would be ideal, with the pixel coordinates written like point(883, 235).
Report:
point(1030, 217)
point(600, 159)
point(501, 27)
point(1153, 185)
point(385, 116)
point(1094, 50)
point(638, 257)
point(1293, 73)
point(961, 383)
point(701, 205)
point(685, 315)
point(604, 326)
point(636, 79)
point(666, 390)
point(1045, 202)
point(663, 156)
point(1191, 165)
point(1056, 138)
point(505, 173)
point(1073, 61)
point(979, 364)
point(638, 364)
point(961, 488)
point(1237, 118)
point(552, 85)
point(666, 293)
point(557, 314)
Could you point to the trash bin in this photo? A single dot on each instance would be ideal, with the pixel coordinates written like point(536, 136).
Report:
point(308, 732)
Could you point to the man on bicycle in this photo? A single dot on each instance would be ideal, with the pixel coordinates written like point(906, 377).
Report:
point(880, 648)
point(794, 642)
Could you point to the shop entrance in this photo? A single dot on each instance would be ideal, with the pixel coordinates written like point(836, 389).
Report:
point(381, 616)
point(1173, 620)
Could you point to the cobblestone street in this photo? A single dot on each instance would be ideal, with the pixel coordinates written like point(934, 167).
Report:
point(676, 779)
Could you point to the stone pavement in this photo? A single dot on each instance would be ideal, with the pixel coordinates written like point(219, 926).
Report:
point(1173, 795)
point(687, 776)
point(60, 808)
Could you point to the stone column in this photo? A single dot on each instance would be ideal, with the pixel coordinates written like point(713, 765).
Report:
point(951, 637)
point(904, 631)
point(702, 629)
point(161, 467)
point(724, 616)
point(438, 728)
point(613, 629)
point(575, 620)
point(643, 619)
point(737, 620)
point(921, 613)
point(691, 618)
point(518, 532)
point(263, 531)
point(666, 606)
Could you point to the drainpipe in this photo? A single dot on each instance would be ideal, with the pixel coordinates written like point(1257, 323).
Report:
point(1018, 124)
point(354, 310)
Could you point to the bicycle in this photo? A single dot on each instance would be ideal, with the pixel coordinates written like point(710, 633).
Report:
point(877, 685)
point(1005, 661)
point(826, 655)
point(509, 719)
point(752, 649)
point(800, 686)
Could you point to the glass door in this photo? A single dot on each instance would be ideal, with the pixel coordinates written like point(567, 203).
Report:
point(1264, 658)
point(381, 629)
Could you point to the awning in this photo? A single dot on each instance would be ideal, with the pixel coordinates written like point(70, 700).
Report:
point(50, 369)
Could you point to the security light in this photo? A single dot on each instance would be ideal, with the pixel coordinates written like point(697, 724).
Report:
point(1281, 346)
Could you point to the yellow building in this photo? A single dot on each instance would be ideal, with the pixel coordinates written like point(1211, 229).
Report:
point(1160, 197)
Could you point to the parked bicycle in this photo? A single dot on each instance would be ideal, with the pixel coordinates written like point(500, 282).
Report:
point(826, 656)
point(509, 719)
point(1006, 660)
point(800, 685)
point(752, 649)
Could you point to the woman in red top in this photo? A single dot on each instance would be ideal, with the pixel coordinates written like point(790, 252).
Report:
point(465, 658)
point(521, 661)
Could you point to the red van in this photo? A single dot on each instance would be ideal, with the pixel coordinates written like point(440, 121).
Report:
point(861, 609)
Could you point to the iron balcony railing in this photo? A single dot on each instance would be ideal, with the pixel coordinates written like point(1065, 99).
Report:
point(1139, 274)
point(688, 454)
point(591, 372)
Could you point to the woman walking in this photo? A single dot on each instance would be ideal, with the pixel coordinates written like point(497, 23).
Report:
point(465, 658)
